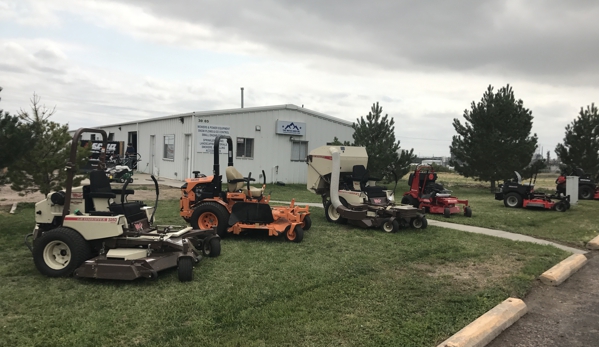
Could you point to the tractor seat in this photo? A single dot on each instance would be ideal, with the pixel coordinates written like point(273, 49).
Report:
point(236, 182)
point(360, 174)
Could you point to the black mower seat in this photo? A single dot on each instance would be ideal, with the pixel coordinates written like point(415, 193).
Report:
point(99, 185)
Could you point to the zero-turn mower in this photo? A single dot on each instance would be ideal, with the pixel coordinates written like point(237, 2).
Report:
point(514, 193)
point(86, 231)
point(427, 194)
point(242, 207)
point(338, 174)
point(587, 188)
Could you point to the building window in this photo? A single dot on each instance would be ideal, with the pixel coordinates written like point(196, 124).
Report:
point(110, 136)
point(299, 150)
point(92, 137)
point(245, 147)
point(169, 147)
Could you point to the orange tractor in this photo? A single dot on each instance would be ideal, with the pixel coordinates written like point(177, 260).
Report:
point(241, 208)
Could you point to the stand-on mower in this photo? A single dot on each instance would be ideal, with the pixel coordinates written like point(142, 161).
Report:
point(120, 170)
point(338, 174)
point(242, 208)
point(85, 231)
point(427, 194)
point(587, 188)
point(514, 193)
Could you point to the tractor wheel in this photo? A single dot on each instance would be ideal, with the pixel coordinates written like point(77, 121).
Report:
point(586, 193)
point(307, 223)
point(212, 247)
point(560, 207)
point(296, 234)
point(419, 223)
point(208, 215)
point(131, 180)
point(512, 200)
point(332, 215)
point(60, 251)
point(391, 226)
point(185, 269)
point(467, 211)
point(446, 212)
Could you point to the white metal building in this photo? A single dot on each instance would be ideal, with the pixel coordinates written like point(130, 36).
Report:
point(275, 139)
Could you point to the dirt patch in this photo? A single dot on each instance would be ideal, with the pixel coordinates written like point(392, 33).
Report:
point(492, 270)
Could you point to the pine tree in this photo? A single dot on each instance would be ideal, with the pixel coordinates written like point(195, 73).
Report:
point(581, 142)
point(42, 169)
point(377, 134)
point(495, 139)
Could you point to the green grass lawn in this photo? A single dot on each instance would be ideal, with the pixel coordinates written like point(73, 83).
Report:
point(341, 286)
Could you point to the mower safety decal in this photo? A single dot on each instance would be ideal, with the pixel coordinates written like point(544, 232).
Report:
point(329, 157)
point(92, 219)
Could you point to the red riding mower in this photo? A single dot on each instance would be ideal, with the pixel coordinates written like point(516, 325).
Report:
point(426, 194)
point(514, 193)
point(84, 231)
point(241, 208)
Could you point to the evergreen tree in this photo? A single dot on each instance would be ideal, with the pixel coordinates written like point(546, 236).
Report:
point(42, 169)
point(377, 134)
point(495, 140)
point(16, 138)
point(581, 142)
point(336, 142)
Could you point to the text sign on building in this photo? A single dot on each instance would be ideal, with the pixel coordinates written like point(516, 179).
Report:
point(207, 133)
point(290, 128)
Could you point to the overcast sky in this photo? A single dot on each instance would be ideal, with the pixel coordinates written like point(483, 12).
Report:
point(104, 62)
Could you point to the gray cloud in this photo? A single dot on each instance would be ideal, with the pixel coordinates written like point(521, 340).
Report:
point(548, 40)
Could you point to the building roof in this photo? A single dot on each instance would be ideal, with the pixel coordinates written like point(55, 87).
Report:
point(240, 110)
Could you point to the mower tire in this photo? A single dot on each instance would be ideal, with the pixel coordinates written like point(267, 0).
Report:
point(446, 212)
point(295, 235)
point(307, 223)
point(211, 248)
point(208, 215)
point(512, 200)
point(560, 206)
point(467, 211)
point(60, 251)
point(185, 269)
point(419, 222)
point(391, 226)
point(332, 215)
point(586, 193)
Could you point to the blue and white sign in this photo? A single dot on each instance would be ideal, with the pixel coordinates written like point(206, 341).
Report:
point(290, 128)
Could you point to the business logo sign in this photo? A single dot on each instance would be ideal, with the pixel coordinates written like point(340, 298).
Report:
point(290, 128)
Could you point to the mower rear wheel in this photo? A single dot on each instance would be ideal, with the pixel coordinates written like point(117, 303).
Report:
point(419, 222)
point(307, 223)
point(331, 213)
point(446, 212)
point(209, 215)
point(467, 211)
point(296, 234)
point(391, 226)
point(212, 247)
point(59, 252)
point(185, 269)
point(512, 200)
point(586, 193)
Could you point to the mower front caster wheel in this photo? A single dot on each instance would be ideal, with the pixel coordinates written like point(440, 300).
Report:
point(467, 211)
point(560, 206)
point(307, 223)
point(212, 247)
point(391, 226)
point(295, 235)
point(419, 223)
point(332, 215)
point(446, 212)
point(185, 269)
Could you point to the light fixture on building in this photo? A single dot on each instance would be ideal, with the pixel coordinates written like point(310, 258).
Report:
point(258, 128)
point(119, 128)
point(182, 120)
point(291, 138)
